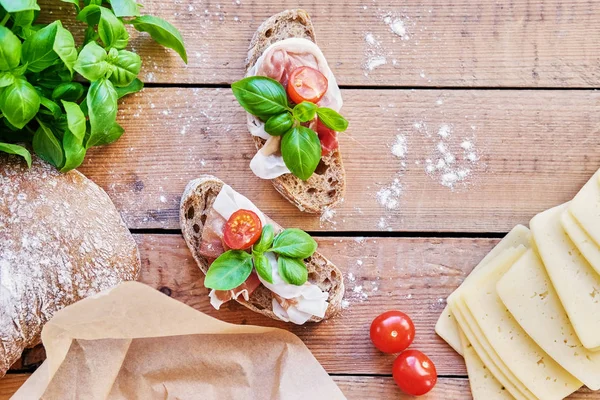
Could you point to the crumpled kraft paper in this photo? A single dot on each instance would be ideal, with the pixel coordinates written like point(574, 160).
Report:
point(133, 342)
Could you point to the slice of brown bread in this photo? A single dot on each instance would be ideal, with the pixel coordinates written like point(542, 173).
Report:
point(198, 198)
point(326, 187)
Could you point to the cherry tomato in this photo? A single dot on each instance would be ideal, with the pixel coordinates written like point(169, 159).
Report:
point(306, 84)
point(392, 332)
point(242, 230)
point(414, 373)
point(328, 138)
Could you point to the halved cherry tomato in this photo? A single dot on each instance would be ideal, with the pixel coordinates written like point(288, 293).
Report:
point(306, 84)
point(328, 138)
point(414, 373)
point(392, 331)
point(242, 230)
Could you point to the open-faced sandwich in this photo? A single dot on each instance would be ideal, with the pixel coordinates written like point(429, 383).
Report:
point(293, 103)
point(249, 258)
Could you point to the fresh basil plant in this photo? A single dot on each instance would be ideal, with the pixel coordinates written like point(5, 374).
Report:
point(43, 102)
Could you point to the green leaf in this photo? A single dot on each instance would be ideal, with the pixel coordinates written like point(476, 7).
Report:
point(113, 134)
point(279, 124)
point(301, 151)
point(305, 111)
point(263, 267)
point(331, 119)
point(13, 6)
point(91, 63)
point(38, 52)
point(75, 120)
point(102, 108)
point(47, 146)
point(19, 103)
point(125, 67)
point(54, 108)
point(64, 46)
point(10, 49)
point(69, 91)
point(125, 8)
point(112, 30)
point(135, 86)
point(90, 14)
point(23, 19)
point(260, 95)
point(229, 270)
point(74, 151)
point(18, 150)
point(74, 2)
point(265, 240)
point(162, 32)
point(294, 243)
point(6, 79)
point(292, 270)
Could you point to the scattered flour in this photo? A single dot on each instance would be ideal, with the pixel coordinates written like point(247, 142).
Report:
point(400, 147)
point(389, 196)
point(396, 25)
point(327, 218)
point(375, 55)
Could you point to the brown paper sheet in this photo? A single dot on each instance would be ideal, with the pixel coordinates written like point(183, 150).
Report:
point(134, 342)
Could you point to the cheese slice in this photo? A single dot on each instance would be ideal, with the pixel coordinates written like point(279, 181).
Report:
point(529, 296)
point(543, 376)
point(586, 245)
point(585, 207)
point(484, 386)
point(575, 281)
point(446, 326)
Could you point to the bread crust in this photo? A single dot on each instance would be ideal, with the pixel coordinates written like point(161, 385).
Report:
point(198, 198)
point(325, 188)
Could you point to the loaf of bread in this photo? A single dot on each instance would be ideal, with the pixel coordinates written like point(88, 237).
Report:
point(61, 239)
point(326, 187)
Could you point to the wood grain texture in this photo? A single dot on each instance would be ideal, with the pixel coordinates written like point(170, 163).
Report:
point(535, 149)
point(449, 43)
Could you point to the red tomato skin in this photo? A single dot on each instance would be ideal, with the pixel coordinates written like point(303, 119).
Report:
point(306, 84)
point(392, 332)
point(328, 138)
point(242, 230)
point(414, 373)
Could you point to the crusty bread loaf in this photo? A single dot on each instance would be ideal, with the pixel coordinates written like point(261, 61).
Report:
point(325, 188)
point(61, 239)
point(198, 198)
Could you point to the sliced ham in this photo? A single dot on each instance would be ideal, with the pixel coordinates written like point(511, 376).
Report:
point(218, 297)
point(212, 245)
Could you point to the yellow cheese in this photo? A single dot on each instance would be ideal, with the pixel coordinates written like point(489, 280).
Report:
point(585, 207)
point(586, 245)
point(529, 296)
point(484, 386)
point(575, 281)
point(446, 326)
point(543, 376)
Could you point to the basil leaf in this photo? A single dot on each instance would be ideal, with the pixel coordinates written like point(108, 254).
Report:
point(38, 52)
point(301, 151)
point(23, 19)
point(260, 95)
point(64, 46)
point(331, 119)
point(19, 103)
point(125, 8)
point(265, 241)
point(90, 14)
point(279, 124)
point(74, 2)
point(294, 243)
point(13, 6)
point(229, 270)
point(54, 108)
point(75, 120)
point(113, 134)
point(74, 152)
point(292, 270)
point(6, 79)
point(125, 67)
point(10, 49)
point(69, 91)
point(162, 32)
point(47, 146)
point(112, 30)
point(102, 107)
point(18, 150)
point(305, 111)
point(263, 267)
point(135, 86)
point(91, 63)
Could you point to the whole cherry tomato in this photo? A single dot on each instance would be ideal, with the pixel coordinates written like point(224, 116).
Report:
point(414, 373)
point(242, 230)
point(306, 84)
point(392, 332)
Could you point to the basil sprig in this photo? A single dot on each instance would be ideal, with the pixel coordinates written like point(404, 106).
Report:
point(292, 246)
point(300, 146)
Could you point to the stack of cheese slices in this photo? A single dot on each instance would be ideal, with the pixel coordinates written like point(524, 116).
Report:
point(527, 319)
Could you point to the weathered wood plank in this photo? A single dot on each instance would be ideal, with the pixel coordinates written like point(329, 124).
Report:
point(451, 43)
point(532, 150)
point(10, 384)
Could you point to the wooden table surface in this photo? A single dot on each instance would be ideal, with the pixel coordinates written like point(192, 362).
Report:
point(507, 88)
